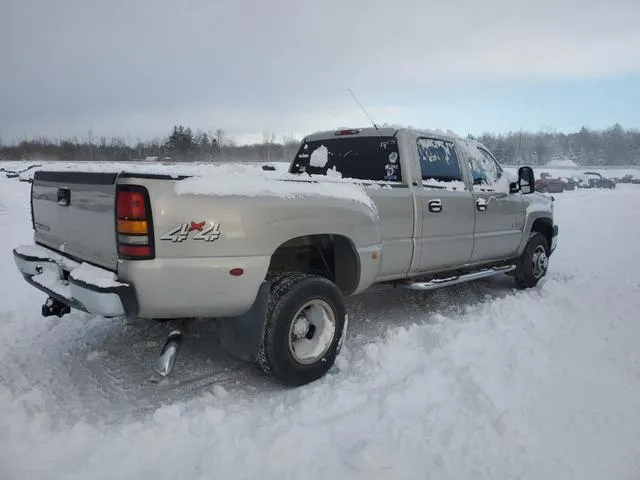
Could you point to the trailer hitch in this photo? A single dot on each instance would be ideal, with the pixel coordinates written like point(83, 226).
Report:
point(54, 307)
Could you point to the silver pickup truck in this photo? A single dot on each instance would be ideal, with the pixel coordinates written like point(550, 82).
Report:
point(270, 256)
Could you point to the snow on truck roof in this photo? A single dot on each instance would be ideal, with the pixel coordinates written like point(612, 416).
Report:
point(388, 131)
point(382, 131)
point(466, 144)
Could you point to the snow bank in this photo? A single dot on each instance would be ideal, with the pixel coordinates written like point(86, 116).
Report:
point(562, 162)
point(472, 382)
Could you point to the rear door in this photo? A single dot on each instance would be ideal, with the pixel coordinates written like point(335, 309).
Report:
point(370, 159)
point(447, 211)
point(73, 213)
point(499, 215)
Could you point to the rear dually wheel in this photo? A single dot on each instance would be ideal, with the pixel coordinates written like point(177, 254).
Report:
point(303, 330)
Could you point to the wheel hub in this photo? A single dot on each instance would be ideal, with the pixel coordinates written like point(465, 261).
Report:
point(311, 332)
point(540, 261)
point(301, 327)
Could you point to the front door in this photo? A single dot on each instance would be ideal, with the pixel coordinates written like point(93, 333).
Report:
point(447, 207)
point(499, 214)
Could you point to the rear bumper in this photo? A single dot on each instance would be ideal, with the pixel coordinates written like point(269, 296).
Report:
point(554, 238)
point(78, 285)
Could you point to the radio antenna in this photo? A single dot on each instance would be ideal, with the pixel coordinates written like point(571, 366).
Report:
point(365, 112)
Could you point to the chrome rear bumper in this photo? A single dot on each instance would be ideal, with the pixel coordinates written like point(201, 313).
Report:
point(78, 285)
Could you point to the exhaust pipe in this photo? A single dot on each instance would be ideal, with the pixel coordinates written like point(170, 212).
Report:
point(165, 362)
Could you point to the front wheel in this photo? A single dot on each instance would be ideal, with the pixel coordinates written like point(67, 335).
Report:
point(533, 263)
point(304, 327)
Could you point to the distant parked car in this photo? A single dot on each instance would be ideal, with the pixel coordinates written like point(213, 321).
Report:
point(570, 183)
point(597, 180)
point(550, 185)
point(629, 178)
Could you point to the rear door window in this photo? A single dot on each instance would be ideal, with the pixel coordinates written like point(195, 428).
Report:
point(360, 158)
point(438, 160)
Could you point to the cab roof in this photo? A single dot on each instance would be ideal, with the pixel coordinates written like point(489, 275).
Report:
point(381, 131)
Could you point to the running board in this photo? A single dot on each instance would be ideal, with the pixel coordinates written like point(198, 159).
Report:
point(468, 277)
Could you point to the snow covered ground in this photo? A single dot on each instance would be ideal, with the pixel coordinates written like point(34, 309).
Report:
point(470, 382)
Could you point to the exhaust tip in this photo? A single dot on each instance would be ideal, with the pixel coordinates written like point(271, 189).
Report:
point(167, 359)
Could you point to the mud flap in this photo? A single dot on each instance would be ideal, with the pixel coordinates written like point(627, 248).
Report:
point(242, 336)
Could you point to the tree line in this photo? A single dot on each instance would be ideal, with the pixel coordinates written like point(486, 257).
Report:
point(614, 146)
point(609, 147)
point(182, 145)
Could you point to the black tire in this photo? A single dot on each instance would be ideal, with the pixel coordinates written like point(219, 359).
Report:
point(526, 274)
point(289, 293)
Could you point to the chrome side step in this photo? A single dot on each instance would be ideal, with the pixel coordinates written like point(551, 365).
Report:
point(467, 277)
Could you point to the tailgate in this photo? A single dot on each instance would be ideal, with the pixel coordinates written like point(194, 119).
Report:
point(73, 213)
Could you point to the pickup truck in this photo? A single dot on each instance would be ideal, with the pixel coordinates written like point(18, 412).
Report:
point(271, 256)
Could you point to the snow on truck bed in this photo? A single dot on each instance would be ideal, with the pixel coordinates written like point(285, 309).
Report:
point(470, 382)
point(237, 179)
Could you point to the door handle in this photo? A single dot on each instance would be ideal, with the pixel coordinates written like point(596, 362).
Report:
point(481, 205)
point(435, 206)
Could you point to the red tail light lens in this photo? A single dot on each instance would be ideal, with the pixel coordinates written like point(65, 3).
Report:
point(134, 250)
point(134, 225)
point(131, 205)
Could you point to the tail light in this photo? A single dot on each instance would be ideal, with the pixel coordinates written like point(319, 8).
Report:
point(134, 224)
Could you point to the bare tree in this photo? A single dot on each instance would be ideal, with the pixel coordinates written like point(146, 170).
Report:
point(268, 140)
point(220, 136)
point(290, 146)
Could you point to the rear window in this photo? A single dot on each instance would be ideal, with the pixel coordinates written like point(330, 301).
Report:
point(361, 158)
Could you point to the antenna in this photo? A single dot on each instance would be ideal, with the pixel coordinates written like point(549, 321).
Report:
point(365, 112)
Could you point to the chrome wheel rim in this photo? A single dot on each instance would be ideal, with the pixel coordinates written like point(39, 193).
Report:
point(540, 261)
point(311, 332)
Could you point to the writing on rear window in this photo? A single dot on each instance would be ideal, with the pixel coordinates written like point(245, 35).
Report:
point(360, 158)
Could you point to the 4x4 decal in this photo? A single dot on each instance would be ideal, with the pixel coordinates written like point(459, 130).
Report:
point(208, 232)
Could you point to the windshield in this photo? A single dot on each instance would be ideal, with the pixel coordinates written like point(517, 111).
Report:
point(362, 158)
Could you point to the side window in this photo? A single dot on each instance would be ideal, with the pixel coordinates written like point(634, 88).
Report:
point(485, 171)
point(438, 161)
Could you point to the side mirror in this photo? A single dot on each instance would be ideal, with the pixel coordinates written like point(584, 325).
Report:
point(526, 180)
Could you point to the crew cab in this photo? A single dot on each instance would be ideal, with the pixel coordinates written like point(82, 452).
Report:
point(271, 256)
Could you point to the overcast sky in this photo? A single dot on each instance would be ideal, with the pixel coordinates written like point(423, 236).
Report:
point(133, 68)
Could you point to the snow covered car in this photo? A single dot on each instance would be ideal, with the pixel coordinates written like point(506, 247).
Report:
point(570, 183)
point(597, 180)
point(270, 255)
